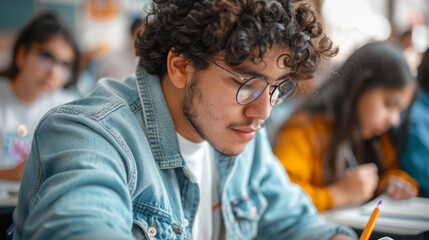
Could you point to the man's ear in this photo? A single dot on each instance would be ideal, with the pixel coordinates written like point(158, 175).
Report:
point(178, 69)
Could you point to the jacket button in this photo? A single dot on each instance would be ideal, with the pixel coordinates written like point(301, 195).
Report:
point(186, 222)
point(151, 231)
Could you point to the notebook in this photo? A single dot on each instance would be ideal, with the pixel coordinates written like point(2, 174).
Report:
point(414, 208)
point(409, 216)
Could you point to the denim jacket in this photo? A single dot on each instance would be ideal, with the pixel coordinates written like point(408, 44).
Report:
point(109, 167)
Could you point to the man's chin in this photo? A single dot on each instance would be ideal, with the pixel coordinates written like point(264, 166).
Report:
point(229, 152)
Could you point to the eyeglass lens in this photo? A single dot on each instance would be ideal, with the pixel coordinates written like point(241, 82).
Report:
point(250, 90)
point(283, 91)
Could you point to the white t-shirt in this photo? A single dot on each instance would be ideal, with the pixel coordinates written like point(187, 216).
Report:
point(18, 121)
point(199, 157)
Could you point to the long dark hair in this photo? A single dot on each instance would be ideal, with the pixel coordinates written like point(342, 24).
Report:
point(40, 29)
point(200, 29)
point(377, 64)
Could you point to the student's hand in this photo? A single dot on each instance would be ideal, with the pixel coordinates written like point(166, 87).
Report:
point(341, 237)
point(397, 188)
point(356, 186)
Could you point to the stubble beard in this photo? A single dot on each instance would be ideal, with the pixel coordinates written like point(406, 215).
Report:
point(193, 97)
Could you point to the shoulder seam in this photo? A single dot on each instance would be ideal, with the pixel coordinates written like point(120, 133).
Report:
point(97, 115)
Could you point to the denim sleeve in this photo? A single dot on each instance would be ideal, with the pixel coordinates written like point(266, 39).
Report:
point(290, 213)
point(74, 184)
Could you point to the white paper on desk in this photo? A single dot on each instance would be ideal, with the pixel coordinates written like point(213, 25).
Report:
point(9, 186)
point(354, 217)
point(414, 208)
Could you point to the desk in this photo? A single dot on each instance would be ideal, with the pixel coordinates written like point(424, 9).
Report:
point(9, 202)
point(404, 219)
point(8, 194)
point(377, 235)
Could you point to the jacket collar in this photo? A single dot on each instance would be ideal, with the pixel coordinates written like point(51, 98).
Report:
point(159, 125)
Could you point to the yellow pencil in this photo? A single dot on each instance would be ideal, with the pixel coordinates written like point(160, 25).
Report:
point(370, 225)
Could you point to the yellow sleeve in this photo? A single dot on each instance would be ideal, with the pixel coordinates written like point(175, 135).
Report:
point(391, 163)
point(303, 162)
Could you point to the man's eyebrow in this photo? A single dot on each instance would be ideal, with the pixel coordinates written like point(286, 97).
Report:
point(284, 76)
point(244, 73)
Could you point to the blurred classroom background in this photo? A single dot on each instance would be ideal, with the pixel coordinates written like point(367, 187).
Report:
point(353, 23)
point(96, 23)
point(102, 26)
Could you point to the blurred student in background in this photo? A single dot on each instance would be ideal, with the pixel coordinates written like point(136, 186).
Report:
point(120, 64)
point(414, 156)
point(336, 146)
point(405, 42)
point(44, 61)
point(117, 64)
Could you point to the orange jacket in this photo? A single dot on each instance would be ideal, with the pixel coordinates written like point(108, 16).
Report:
point(301, 147)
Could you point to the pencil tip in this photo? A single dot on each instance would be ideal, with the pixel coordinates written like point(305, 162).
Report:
point(380, 202)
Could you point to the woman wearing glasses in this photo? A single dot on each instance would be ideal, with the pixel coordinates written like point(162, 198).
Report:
point(336, 147)
point(44, 60)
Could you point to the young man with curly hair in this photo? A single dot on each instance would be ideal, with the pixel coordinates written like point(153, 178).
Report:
point(177, 152)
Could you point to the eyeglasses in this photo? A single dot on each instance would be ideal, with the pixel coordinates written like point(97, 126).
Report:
point(252, 88)
point(48, 61)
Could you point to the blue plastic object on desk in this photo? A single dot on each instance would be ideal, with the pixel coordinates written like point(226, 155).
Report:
point(9, 232)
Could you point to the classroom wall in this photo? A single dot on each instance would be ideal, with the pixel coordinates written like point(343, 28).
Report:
point(13, 14)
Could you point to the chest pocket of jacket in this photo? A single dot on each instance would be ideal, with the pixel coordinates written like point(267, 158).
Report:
point(152, 226)
point(247, 212)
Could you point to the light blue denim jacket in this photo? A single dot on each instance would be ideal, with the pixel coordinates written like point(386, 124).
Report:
point(109, 167)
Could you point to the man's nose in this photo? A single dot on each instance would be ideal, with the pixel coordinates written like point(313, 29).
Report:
point(260, 108)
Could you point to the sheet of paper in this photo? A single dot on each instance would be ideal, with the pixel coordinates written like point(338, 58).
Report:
point(404, 223)
point(414, 208)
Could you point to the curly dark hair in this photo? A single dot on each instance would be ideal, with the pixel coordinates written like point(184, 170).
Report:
point(200, 29)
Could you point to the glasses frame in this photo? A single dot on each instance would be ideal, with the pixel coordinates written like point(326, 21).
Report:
point(48, 62)
point(275, 86)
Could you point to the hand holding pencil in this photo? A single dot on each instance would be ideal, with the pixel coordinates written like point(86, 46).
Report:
point(356, 186)
point(371, 223)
